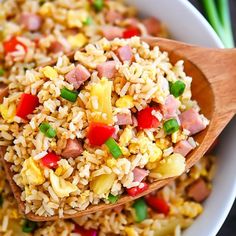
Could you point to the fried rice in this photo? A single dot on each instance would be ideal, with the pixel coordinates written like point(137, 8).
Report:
point(60, 27)
point(120, 221)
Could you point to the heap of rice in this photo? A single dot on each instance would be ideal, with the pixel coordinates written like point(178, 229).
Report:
point(91, 176)
point(183, 211)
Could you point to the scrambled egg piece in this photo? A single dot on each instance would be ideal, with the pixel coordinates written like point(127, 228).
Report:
point(126, 136)
point(8, 113)
point(103, 183)
point(49, 72)
point(111, 162)
point(125, 102)
point(130, 231)
point(102, 90)
point(77, 41)
point(76, 18)
point(173, 165)
point(191, 209)
point(61, 187)
point(31, 173)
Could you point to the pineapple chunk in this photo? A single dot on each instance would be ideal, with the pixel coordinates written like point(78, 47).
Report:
point(103, 183)
point(103, 111)
point(173, 165)
point(8, 113)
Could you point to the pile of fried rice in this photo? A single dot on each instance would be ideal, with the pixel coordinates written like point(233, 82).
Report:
point(35, 32)
point(122, 220)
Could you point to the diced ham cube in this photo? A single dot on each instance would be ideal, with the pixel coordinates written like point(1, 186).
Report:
point(111, 32)
point(31, 21)
point(139, 174)
point(77, 76)
point(152, 25)
point(56, 47)
point(125, 53)
point(124, 119)
point(183, 147)
point(113, 16)
point(192, 121)
point(170, 108)
point(73, 148)
point(107, 69)
point(198, 190)
point(3, 91)
point(134, 121)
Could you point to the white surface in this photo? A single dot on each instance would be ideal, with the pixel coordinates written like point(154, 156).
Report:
point(187, 24)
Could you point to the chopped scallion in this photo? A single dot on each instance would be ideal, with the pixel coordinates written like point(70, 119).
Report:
point(88, 21)
point(98, 5)
point(29, 226)
point(177, 88)
point(171, 126)
point(112, 198)
point(140, 208)
point(114, 148)
point(1, 72)
point(69, 95)
point(47, 130)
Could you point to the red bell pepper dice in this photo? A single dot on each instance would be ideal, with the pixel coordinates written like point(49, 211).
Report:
point(85, 232)
point(137, 190)
point(11, 45)
point(50, 160)
point(27, 105)
point(131, 32)
point(146, 120)
point(158, 204)
point(98, 133)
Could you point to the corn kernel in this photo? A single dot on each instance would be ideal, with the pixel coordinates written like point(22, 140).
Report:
point(156, 154)
point(151, 165)
point(8, 113)
point(162, 143)
point(77, 41)
point(59, 171)
point(125, 102)
point(191, 209)
point(130, 231)
point(111, 162)
point(46, 9)
point(76, 18)
point(103, 183)
point(49, 72)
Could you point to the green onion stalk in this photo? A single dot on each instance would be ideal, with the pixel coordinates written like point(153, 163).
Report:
point(218, 14)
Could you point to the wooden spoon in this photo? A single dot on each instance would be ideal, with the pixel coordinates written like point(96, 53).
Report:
point(214, 88)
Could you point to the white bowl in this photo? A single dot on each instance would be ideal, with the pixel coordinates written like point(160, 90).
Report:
point(186, 24)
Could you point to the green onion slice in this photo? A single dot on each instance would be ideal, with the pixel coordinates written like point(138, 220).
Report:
point(113, 148)
point(177, 88)
point(112, 198)
point(88, 21)
point(69, 95)
point(171, 126)
point(47, 130)
point(98, 5)
point(29, 226)
point(140, 208)
point(2, 72)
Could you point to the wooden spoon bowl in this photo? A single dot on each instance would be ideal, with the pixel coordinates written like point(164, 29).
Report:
point(213, 87)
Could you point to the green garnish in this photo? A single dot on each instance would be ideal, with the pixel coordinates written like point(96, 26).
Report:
point(47, 130)
point(113, 148)
point(2, 72)
point(219, 17)
point(88, 21)
point(112, 198)
point(171, 126)
point(69, 95)
point(177, 88)
point(29, 226)
point(98, 4)
point(140, 208)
